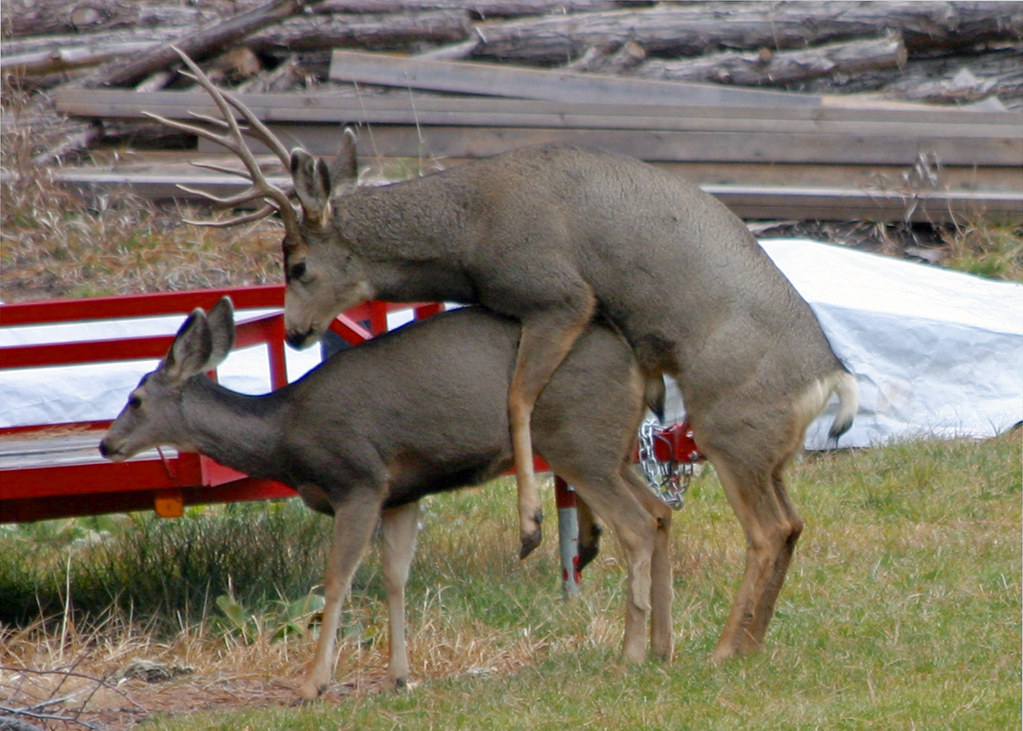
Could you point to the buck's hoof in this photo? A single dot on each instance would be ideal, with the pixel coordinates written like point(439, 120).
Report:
point(529, 543)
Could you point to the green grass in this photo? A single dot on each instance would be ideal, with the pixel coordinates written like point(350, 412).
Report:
point(162, 572)
point(902, 610)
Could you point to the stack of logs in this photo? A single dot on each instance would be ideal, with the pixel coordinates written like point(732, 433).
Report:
point(946, 52)
point(739, 97)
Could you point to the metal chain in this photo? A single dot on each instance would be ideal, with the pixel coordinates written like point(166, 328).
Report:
point(669, 480)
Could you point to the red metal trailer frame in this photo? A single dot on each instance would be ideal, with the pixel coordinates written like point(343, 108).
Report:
point(164, 484)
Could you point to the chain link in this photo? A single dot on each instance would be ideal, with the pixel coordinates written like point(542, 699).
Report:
point(668, 479)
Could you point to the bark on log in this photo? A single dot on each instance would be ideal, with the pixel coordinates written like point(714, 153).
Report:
point(65, 59)
point(317, 32)
point(768, 68)
point(27, 18)
point(212, 39)
point(397, 31)
point(696, 29)
point(481, 9)
point(997, 73)
point(609, 59)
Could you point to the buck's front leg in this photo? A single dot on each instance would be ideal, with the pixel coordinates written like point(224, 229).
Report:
point(355, 518)
point(545, 341)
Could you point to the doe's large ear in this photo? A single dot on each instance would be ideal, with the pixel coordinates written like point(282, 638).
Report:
point(344, 168)
point(220, 319)
point(312, 185)
point(190, 350)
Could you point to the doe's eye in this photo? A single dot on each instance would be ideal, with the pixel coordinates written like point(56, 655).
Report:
point(134, 402)
point(296, 271)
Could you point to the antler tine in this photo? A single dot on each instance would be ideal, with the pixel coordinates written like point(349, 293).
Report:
point(262, 213)
point(234, 140)
point(233, 200)
point(258, 130)
point(229, 171)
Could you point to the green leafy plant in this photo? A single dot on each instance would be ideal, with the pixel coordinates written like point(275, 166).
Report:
point(279, 620)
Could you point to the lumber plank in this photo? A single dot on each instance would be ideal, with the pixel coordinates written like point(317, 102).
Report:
point(403, 109)
point(697, 145)
point(748, 202)
point(383, 168)
point(467, 77)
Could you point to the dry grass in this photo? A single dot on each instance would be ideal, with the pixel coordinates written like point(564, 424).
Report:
point(57, 242)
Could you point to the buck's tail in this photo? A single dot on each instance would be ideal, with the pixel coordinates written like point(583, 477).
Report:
point(844, 386)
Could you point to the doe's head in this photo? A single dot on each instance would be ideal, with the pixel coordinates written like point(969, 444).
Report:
point(153, 415)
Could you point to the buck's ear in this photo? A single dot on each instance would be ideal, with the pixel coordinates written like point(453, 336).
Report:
point(220, 319)
point(344, 168)
point(312, 185)
point(190, 350)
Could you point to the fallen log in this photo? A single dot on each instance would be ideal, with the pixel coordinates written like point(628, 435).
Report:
point(209, 40)
point(326, 32)
point(65, 59)
point(481, 9)
point(28, 18)
point(690, 30)
point(767, 68)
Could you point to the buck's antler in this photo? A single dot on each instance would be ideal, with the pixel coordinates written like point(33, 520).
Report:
point(233, 139)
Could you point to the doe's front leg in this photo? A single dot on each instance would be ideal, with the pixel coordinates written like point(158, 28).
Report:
point(355, 518)
point(398, 530)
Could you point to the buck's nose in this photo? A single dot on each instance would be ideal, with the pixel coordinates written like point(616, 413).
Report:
point(299, 340)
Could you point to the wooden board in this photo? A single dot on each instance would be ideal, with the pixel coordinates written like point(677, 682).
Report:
point(467, 77)
point(748, 202)
point(343, 108)
point(379, 168)
point(659, 145)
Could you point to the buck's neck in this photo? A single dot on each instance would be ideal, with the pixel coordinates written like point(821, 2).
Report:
point(239, 431)
point(412, 239)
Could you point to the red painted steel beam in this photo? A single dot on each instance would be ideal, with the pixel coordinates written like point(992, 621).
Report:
point(78, 352)
point(136, 305)
point(67, 506)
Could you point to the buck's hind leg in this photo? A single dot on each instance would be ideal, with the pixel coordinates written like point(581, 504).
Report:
point(398, 529)
point(546, 338)
point(772, 527)
point(354, 521)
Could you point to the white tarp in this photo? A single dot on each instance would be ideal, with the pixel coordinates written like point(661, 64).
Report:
point(935, 352)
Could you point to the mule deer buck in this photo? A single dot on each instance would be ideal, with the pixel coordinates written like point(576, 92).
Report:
point(550, 235)
point(420, 410)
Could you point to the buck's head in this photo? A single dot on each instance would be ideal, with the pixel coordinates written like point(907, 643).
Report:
point(323, 275)
point(154, 415)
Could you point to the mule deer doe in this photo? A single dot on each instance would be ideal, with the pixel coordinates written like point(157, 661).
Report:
point(550, 235)
point(413, 412)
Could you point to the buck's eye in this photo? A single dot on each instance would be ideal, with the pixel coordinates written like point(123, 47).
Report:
point(296, 271)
